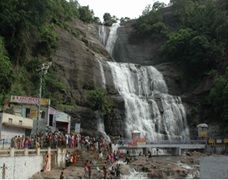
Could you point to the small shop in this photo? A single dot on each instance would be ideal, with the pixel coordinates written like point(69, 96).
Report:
point(63, 121)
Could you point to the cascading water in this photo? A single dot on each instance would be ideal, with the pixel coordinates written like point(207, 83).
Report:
point(102, 34)
point(148, 106)
point(112, 38)
point(100, 127)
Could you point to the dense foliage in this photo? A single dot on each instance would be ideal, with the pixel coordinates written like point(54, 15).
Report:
point(218, 96)
point(109, 20)
point(198, 39)
point(6, 71)
point(99, 100)
point(27, 39)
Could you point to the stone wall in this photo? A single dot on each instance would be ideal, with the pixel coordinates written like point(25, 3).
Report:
point(24, 163)
point(20, 167)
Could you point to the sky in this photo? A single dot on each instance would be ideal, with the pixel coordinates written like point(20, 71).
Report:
point(119, 8)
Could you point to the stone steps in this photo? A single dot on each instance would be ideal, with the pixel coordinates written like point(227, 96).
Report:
point(84, 155)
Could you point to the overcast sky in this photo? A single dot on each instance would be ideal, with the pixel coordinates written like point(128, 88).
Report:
point(119, 8)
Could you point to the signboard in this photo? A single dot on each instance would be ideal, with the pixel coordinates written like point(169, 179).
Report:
point(33, 114)
point(219, 141)
point(44, 102)
point(62, 117)
point(29, 100)
point(138, 141)
point(203, 135)
point(141, 141)
point(77, 127)
point(211, 141)
point(225, 140)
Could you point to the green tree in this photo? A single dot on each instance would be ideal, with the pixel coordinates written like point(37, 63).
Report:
point(108, 19)
point(218, 96)
point(159, 31)
point(124, 19)
point(203, 54)
point(158, 5)
point(147, 10)
point(183, 9)
point(99, 100)
point(207, 18)
point(6, 71)
point(85, 14)
point(222, 31)
point(177, 46)
point(48, 40)
point(151, 22)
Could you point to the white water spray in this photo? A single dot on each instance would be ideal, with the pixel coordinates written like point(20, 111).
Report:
point(148, 106)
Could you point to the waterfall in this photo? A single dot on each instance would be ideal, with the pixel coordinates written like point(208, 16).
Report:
point(101, 128)
point(148, 106)
point(102, 73)
point(102, 34)
point(112, 38)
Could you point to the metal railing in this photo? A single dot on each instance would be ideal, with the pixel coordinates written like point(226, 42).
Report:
point(125, 142)
point(178, 142)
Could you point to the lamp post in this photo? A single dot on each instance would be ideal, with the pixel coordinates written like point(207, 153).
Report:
point(43, 70)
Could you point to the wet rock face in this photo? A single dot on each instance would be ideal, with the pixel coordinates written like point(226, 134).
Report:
point(171, 167)
point(131, 48)
point(165, 171)
point(75, 60)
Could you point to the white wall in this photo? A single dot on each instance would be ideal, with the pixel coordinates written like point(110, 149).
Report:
point(16, 119)
point(22, 167)
point(8, 132)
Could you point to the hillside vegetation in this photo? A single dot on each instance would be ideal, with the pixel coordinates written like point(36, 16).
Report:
point(195, 34)
point(28, 38)
point(196, 37)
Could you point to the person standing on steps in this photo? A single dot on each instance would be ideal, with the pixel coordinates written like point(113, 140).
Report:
point(47, 162)
point(105, 170)
point(67, 159)
point(75, 157)
point(86, 169)
point(117, 170)
point(61, 175)
point(89, 167)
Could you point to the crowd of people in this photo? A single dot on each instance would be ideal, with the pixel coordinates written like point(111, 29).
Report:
point(98, 145)
point(53, 140)
point(105, 152)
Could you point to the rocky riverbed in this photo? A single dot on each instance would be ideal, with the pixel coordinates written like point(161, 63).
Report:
point(170, 167)
point(156, 167)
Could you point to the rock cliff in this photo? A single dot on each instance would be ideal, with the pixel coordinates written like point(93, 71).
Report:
point(76, 61)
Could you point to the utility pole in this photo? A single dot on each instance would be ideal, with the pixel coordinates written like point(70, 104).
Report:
point(43, 71)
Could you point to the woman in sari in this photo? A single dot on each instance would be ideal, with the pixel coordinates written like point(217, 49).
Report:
point(47, 163)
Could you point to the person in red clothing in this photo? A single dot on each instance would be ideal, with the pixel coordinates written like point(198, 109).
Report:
point(75, 157)
point(89, 167)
